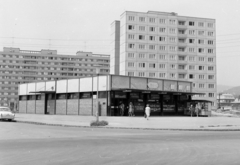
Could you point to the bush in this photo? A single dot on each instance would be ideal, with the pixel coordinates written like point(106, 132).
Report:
point(99, 123)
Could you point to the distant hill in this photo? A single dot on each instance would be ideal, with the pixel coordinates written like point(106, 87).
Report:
point(235, 91)
point(222, 88)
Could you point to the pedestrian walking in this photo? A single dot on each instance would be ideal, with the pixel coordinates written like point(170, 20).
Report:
point(130, 109)
point(122, 107)
point(147, 111)
point(191, 109)
point(198, 107)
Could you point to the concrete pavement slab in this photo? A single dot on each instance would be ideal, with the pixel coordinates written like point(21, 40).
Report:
point(159, 123)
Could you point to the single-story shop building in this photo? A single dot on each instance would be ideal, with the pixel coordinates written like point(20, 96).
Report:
point(115, 93)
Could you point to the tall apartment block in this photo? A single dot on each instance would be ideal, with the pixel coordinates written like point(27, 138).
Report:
point(23, 66)
point(166, 46)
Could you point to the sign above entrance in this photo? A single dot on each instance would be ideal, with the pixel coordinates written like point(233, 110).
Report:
point(127, 90)
point(152, 85)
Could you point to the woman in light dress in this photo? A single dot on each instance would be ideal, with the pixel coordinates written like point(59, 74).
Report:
point(147, 111)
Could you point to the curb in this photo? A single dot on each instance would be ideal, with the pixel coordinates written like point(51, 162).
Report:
point(108, 127)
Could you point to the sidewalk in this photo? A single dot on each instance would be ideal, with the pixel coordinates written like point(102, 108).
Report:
point(159, 123)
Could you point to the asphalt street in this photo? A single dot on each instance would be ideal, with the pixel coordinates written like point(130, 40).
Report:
point(24, 144)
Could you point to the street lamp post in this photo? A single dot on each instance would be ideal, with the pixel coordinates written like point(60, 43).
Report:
point(97, 72)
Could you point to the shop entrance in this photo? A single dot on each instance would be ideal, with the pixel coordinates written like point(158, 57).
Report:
point(50, 104)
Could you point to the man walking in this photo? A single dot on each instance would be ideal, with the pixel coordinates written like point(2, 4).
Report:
point(147, 111)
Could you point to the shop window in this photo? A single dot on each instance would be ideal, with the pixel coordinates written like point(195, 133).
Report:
point(86, 95)
point(22, 97)
point(39, 97)
point(102, 94)
point(73, 96)
point(32, 97)
point(61, 96)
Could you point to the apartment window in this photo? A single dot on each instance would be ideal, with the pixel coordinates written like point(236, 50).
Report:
point(152, 47)
point(141, 74)
point(162, 21)
point(200, 67)
point(210, 33)
point(210, 68)
point(172, 21)
point(152, 56)
point(201, 33)
point(141, 46)
point(152, 20)
point(191, 23)
point(131, 36)
point(171, 30)
point(172, 39)
point(141, 55)
point(181, 49)
point(201, 41)
point(181, 22)
point(162, 39)
point(172, 57)
point(151, 74)
point(130, 73)
point(172, 48)
point(210, 42)
point(181, 67)
point(152, 65)
point(210, 77)
point(191, 76)
point(200, 24)
point(142, 28)
point(162, 30)
point(210, 50)
point(191, 41)
point(172, 75)
point(162, 48)
point(181, 58)
point(142, 19)
point(172, 66)
point(152, 29)
point(130, 55)
point(210, 25)
point(201, 50)
point(201, 59)
point(211, 95)
point(130, 27)
point(201, 76)
point(191, 50)
point(130, 64)
point(201, 85)
point(162, 75)
point(191, 32)
point(210, 85)
point(210, 59)
point(131, 46)
point(141, 37)
point(162, 57)
point(162, 66)
point(141, 65)
point(131, 18)
point(191, 67)
point(152, 38)
point(181, 76)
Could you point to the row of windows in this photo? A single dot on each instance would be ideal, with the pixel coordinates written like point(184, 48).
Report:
point(171, 57)
point(169, 39)
point(170, 75)
point(170, 21)
point(171, 66)
point(192, 32)
point(170, 48)
point(53, 58)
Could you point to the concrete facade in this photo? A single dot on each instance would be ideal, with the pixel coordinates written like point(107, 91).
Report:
point(167, 46)
point(24, 66)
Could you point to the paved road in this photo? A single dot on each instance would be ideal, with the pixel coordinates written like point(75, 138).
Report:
point(25, 144)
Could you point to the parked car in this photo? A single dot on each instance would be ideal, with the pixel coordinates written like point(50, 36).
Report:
point(6, 114)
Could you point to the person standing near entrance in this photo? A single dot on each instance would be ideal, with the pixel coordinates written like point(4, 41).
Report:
point(147, 111)
point(122, 107)
point(130, 109)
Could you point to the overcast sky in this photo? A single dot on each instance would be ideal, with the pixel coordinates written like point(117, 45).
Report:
point(72, 25)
